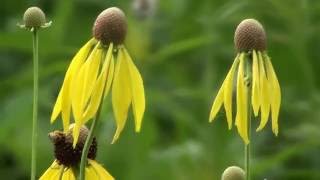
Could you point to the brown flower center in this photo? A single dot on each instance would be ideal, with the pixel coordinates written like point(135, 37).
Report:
point(249, 36)
point(64, 151)
point(110, 26)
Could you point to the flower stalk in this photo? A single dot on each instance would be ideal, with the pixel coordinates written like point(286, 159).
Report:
point(85, 151)
point(35, 104)
point(34, 19)
point(247, 148)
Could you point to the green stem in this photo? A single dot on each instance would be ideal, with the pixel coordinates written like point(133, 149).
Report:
point(89, 139)
point(35, 105)
point(247, 148)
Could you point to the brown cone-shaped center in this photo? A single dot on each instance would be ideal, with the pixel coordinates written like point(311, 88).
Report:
point(110, 26)
point(249, 36)
point(64, 151)
point(34, 17)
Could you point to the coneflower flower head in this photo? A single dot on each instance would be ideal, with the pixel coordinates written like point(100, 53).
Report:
point(110, 26)
point(34, 18)
point(102, 64)
point(233, 173)
point(67, 158)
point(249, 36)
point(256, 80)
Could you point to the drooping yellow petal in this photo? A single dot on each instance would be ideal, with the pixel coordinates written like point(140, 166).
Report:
point(103, 173)
point(121, 94)
point(275, 95)
point(68, 174)
point(99, 87)
point(91, 74)
point(80, 83)
point(242, 104)
point(255, 100)
point(217, 103)
point(57, 107)
point(264, 94)
point(137, 90)
point(110, 73)
point(228, 88)
point(52, 171)
point(63, 103)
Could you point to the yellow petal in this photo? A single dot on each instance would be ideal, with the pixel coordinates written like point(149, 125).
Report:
point(110, 72)
point(137, 90)
point(80, 83)
point(228, 86)
point(103, 173)
point(63, 103)
point(217, 103)
point(99, 86)
point(255, 84)
point(264, 94)
point(68, 174)
point(121, 94)
point(91, 174)
point(91, 75)
point(242, 104)
point(275, 95)
point(57, 108)
point(52, 171)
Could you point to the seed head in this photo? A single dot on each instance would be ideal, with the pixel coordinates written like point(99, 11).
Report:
point(110, 26)
point(34, 18)
point(233, 173)
point(64, 151)
point(250, 35)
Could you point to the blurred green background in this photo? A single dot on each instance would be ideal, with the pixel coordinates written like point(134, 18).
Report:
point(184, 49)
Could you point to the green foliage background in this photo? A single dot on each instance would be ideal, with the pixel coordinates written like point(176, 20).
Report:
point(183, 52)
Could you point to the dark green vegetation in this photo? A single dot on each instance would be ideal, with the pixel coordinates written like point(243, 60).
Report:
point(184, 52)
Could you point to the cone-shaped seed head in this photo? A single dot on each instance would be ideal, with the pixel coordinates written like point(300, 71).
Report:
point(34, 17)
point(110, 26)
point(233, 173)
point(250, 35)
point(63, 149)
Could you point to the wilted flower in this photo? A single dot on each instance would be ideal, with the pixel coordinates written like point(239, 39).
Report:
point(68, 158)
point(256, 79)
point(92, 73)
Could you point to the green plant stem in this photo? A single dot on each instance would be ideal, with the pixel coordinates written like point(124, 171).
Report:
point(35, 105)
point(88, 143)
point(247, 148)
point(89, 139)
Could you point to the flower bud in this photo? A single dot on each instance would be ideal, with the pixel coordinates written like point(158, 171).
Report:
point(249, 36)
point(110, 26)
point(233, 173)
point(34, 18)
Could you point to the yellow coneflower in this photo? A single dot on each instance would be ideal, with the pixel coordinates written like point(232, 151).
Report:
point(68, 158)
point(256, 80)
point(92, 71)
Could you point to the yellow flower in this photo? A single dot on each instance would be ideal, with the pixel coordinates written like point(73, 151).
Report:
point(68, 158)
point(256, 80)
point(101, 64)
